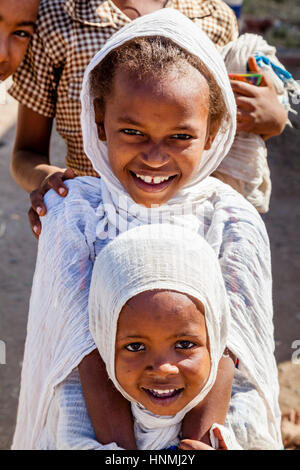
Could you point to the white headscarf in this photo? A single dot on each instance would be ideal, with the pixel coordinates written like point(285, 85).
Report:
point(170, 24)
point(58, 320)
point(157, 257)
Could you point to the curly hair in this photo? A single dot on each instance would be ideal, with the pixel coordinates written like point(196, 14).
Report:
point(150, 57)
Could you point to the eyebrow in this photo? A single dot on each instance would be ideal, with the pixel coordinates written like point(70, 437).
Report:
point(190, 335)
point(27, 23)
point(134, 337)
point(180, 335)
point(23, 23)
point(128, 120)
point(132, 122)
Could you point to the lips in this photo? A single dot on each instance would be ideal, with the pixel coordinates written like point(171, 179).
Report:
point(152, 183)
point(163, 397)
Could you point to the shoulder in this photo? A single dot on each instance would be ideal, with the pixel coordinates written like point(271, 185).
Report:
point(83, 198)
point(52, 11)
point(216, 19)
point(234, 220)
point(53, 22)
point(231, 201)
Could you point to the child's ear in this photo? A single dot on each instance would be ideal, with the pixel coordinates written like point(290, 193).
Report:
point(99, 118)
point(211, 134)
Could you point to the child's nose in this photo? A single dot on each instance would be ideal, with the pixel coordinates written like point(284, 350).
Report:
point(155, 156)
point(162, 368)
point(4, 49)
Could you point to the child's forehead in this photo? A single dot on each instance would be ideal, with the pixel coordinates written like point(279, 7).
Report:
point(164, 300)
point(172, 72)
point(168, 312)
point(173, 83)
point(19, 12)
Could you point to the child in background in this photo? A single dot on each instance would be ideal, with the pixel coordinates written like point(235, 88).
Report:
point(17, 25)
point(142, 120)
point(48, 84)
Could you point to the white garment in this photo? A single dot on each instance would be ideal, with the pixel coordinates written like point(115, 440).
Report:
point(58, 335)
point(247, 158)
point(69, 426)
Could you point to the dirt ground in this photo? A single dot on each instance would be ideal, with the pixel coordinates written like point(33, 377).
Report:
point(18, 251)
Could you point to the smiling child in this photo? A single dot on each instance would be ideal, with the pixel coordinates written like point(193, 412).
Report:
point(159, 291)
point(153, 118)
point(175, 141)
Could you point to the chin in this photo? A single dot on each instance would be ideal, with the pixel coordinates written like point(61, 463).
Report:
point(148, 202)
point(164, 412)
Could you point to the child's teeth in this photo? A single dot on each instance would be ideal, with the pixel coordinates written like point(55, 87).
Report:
point(153, 180)
point(163, 392)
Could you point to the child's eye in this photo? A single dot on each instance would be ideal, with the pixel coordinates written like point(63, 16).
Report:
point(135, 347)
point(22, 34)
point(181, 136)
point(131, 132)
point(185, 345)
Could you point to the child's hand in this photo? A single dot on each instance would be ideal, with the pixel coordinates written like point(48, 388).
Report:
point(190, 444)
point(38, 208)
point(259, 110)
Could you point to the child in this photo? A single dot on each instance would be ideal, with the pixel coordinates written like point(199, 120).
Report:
point(48, 85)
point(155, 125)
point(163, 340)
point(160, 318)
point(17, 25)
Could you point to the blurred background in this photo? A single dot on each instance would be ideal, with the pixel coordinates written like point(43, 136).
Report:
point(279, 22)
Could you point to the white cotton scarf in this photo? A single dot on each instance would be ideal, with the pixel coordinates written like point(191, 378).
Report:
point(157, 257)
point(117, 205)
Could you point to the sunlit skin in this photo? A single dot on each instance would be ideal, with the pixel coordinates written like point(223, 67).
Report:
point(17, 25)
point(156, 128)
point(162, 344)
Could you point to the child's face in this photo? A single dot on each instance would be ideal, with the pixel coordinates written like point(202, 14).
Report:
point(162, 352)
point(17, 24)
point(156, 132)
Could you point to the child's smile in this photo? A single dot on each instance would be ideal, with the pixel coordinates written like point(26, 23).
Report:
point(162, 352)
point(156, 131)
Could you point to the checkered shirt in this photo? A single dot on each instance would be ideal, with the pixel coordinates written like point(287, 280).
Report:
point(69, 33)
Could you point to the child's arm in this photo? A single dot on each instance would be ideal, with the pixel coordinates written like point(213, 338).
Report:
point(213, 409)
point(109, 411)
point(30, 164)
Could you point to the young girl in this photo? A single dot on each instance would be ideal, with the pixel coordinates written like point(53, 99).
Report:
point(154, 139)
point(159, 316)
point(17, 25)
point(48, 84)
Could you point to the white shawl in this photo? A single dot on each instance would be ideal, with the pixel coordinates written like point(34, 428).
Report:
point(58, 335)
